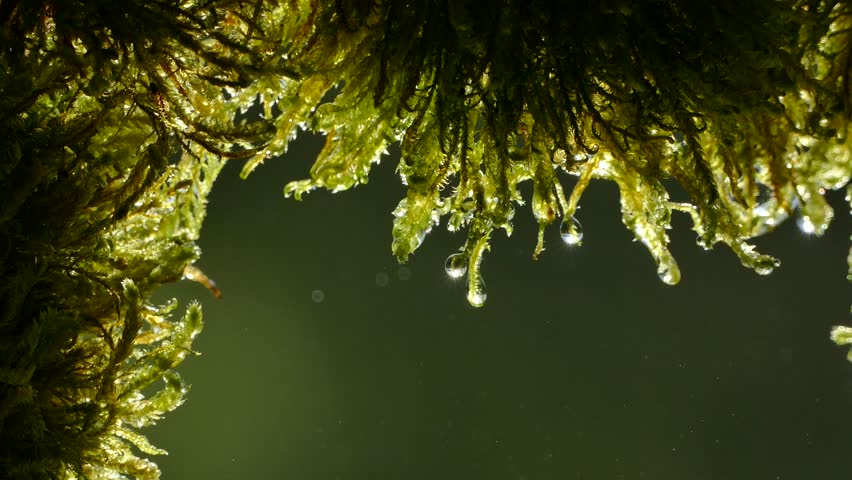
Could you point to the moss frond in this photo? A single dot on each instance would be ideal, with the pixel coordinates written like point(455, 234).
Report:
point(114, 125)
point(115, 119)
point(745, 106)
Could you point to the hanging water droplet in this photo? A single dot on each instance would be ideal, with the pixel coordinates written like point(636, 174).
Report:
point(571, 231)
point(669, 274)
point(417, 239)
point(476, 292)
point(806, 225)
point(766, 265)
point(666, 276)
point(456, 265)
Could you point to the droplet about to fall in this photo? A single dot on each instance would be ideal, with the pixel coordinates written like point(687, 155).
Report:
point(571, 231)
point(476, 294)
point(456, 265)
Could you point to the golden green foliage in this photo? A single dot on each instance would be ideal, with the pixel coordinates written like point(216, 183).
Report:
point(843, 335)
point(115, 118)
point(113, 127)
point(743, 104)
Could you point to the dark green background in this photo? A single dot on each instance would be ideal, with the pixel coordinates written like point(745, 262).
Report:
point(582, 365)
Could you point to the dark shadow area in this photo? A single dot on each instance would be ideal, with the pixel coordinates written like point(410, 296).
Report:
point(582, 365)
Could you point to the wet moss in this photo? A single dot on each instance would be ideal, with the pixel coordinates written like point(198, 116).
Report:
point(116, 119)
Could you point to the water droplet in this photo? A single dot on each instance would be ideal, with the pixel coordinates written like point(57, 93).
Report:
point(401, 210)
point(806, 225)
point(571, 231)
point(766, 265)
point(456, 265)
point(382, 279)
point(476, 293)
point(670, 275)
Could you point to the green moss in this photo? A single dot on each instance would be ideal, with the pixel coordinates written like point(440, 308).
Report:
point(104, 178)
point(743, 106)
point(116, 119)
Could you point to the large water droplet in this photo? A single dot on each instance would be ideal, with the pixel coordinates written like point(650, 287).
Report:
point(476, 292)
point(456, 265)
point(571, 231)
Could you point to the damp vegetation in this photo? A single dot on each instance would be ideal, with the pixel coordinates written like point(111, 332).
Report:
point(116, 117)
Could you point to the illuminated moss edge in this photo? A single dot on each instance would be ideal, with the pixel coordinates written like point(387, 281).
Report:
point(113, 128)
point(744, 105)
point(116, 117)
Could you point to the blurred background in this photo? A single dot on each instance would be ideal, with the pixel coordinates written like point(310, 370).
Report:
point(327, 360)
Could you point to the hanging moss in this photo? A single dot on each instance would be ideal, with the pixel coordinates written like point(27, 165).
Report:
point(113, 129)
point(115, 119)
point(743, 105)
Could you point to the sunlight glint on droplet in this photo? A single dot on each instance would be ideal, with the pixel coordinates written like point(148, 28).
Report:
point(456, 265)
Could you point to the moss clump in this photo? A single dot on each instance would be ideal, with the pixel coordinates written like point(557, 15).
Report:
point(116, 118)
point(113, 129)
point(744, 105)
